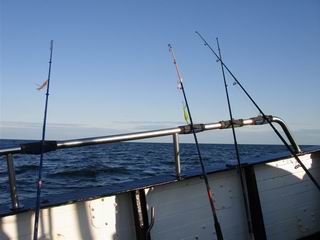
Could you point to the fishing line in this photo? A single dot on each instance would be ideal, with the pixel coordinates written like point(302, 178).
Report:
point(39, 182)
point(262, 113)
point(204, 174)
point(244, 192)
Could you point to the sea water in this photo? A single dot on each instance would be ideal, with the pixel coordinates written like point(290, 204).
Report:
point(72, 169)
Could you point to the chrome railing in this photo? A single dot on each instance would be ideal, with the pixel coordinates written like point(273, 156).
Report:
point(34, 148)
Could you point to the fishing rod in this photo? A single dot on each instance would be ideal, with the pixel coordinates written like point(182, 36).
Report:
point(244, 192)
point(39, 182)
point(204, 174)
point(261, 112)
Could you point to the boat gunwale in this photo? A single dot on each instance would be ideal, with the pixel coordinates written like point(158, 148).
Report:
point(87, 194)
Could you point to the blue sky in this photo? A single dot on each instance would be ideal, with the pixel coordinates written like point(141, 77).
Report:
point(112, 71)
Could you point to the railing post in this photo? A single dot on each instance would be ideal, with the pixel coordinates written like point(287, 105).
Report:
point(177, 154)
point(12, 182)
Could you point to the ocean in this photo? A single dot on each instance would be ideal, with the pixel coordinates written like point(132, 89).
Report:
point(72, 169)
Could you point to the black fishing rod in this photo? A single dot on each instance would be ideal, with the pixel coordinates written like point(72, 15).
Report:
point(262, 113)
point(244, 192)
point(204, 173)
point(39, 182)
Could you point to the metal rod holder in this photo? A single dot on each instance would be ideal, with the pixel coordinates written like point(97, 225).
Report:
point(12, 182)
point(176, 147)
point(287, 132)
point(259, 120)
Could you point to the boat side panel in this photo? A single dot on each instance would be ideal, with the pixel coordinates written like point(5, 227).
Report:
point(103, 218)
point(290, 202)
point(182, 210)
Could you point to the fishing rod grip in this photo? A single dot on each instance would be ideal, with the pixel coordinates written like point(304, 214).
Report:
point(218, 230)
point(38, 147)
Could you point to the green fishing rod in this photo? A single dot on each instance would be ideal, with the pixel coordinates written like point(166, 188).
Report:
point(244, 192)
point(39, 182)
point(204, 173)
point(262, 113)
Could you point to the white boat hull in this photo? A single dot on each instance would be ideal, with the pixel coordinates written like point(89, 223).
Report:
point(290, 206)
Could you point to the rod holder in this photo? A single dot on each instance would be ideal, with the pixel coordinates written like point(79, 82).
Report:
point(287, 132)
point(176, 146)
point(259, 120)
point(12, 182)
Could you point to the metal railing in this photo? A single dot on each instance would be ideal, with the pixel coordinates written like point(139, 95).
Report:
point(33, 148)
